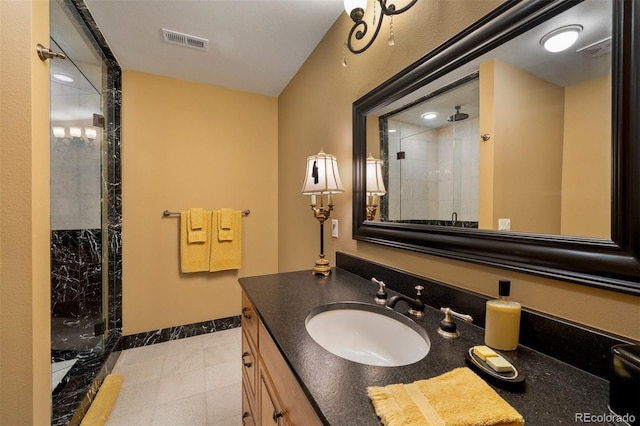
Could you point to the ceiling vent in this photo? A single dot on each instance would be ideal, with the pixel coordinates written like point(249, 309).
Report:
point(187, 40)
point(598, 48)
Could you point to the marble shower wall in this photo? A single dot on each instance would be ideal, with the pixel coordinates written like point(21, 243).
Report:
point(76, 273)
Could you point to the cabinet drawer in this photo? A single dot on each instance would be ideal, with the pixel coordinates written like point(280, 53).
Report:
point(249, 319)
point(249, 366)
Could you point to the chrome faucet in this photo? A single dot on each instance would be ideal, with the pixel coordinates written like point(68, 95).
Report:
point(417, 305)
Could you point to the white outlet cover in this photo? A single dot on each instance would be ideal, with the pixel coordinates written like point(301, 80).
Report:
point(504, 224)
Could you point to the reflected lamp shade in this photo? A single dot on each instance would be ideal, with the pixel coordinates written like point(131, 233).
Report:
point(375, 183)
point(322, 176)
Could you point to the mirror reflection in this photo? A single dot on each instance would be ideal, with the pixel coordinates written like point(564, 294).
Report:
point(517, 140)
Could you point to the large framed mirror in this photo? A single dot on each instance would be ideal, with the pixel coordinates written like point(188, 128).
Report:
point(499, 152)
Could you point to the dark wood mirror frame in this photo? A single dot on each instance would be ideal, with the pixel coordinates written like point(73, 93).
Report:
point(610, 264)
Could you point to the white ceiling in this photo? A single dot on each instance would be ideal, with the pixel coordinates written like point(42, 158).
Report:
point(255, 46)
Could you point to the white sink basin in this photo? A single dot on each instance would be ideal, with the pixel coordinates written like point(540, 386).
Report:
point(368, 334)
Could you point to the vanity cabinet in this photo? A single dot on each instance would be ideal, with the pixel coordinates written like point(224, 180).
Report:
point(271, 393)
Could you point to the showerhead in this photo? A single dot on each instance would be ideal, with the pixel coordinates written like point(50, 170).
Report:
point(458, 116)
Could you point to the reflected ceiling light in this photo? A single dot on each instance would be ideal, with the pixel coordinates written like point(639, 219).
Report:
point(90, 133)
point(561, 38)
point(356, 8)
point(59, 132)
point(392, 130)
point(63, 77)
point(429, 115)
point(75, 132)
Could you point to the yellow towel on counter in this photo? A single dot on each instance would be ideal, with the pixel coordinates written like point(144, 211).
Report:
point(194, 256)
point(225, 224)
point(101, 406)
point(226, 254)
point(196, 233)
point(456, 398)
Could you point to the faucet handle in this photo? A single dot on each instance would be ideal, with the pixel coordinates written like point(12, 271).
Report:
point(381, 295)
point(448, 328)
point(419, 289)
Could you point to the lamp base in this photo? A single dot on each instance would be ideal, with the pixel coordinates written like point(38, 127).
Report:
point(321, 267)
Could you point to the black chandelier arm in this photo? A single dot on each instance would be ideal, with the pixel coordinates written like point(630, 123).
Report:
point(360, 27)
point(360, 33)
point(391, 9)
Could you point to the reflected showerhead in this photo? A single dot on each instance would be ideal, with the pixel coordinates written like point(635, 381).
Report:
point(458, 116)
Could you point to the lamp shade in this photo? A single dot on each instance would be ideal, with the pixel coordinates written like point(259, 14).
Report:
point(375, 183)
point(322, 175)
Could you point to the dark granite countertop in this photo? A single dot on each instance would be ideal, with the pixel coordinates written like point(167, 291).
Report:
point(554, 392)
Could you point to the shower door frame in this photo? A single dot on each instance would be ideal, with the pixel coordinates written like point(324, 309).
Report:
point(69, 406)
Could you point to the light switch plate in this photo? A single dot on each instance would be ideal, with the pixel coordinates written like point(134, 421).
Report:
point(334, 228)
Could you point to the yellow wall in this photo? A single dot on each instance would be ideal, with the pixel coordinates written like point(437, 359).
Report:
point(526, 148)
point(25, 334)
point(315, 111)
point(487, 150)
point(192, 145)
point(586, 192)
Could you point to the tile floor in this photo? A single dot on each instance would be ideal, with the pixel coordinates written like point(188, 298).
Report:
point(185, 382)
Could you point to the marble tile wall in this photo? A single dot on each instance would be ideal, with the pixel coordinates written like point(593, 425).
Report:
point(76, 273)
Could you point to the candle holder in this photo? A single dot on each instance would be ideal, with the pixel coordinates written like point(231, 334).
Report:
point(321, 213)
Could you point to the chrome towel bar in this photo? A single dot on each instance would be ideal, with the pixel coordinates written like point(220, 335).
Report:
point(245, 212)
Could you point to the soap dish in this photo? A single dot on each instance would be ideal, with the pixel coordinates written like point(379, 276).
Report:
point(511, 379)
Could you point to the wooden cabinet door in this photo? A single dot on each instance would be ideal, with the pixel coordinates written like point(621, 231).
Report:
point(285, 389)
point(271, 413)
point(248, 418)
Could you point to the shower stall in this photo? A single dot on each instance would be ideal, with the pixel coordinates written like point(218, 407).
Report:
point(85, 205)
point(431, 152)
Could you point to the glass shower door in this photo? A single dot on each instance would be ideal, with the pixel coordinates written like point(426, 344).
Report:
point(77, 267)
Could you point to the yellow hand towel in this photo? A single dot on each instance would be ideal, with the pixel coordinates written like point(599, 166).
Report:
point(196, 235)
point(456, 398)
point(225, 224)
point(197, 218)
point(226, 254)
point(103, 403)
point(194, 257)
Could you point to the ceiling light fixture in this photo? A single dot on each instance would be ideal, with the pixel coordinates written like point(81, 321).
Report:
point(561, 38)
point(429, 115)
point(356, 8)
